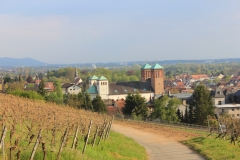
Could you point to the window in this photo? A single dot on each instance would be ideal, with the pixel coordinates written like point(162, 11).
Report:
point(238, 115)
point(222, 110)
point(232, 109)
point(219, 102)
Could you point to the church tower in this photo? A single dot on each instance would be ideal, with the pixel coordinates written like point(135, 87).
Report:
point(157, 78)
point(145, 72)
point(103, 87)
point(76, 74)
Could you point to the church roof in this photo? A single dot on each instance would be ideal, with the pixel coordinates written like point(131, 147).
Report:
point(156, 66)
point(217, 93)
point(102, 78)
point(146, 66)
point(92, 90)
point(117, 88)
point(93, 78)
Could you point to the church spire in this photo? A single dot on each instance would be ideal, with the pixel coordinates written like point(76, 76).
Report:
point(76, 73)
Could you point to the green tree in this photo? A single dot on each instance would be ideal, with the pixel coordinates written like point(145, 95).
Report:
point(165, 108)
point(57, 95)
point(185, 117)
point(7, 79)
point(136, 104)
point(85, 100)
point(202, 102)
point(191, 115)
point(58, 90)
point(98, 105)
point(41, 89)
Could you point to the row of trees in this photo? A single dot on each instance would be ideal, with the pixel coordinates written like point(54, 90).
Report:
point(166, 108)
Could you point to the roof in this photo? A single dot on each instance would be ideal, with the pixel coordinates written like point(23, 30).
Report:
point(102, 78)
point(120, 104)
point(67, 85)
point(112, 110)
point(92, 90)
point(146, 66)
point(199, 76)
point(93, 78)
point(182, 95)
point(117, 88)
point(156, 66)
point(227, 105)
point(180, 83)
point(218, 93)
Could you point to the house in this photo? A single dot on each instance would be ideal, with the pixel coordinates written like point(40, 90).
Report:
point(198, 77)
point(219, 101)
point(230, 109)
point(49, 86)
point(70, 88)
point(218, 96)
point(152, 83)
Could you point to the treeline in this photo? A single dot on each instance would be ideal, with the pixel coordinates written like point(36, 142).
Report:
point(166, 107)
point(113, 75)
point(125, 73)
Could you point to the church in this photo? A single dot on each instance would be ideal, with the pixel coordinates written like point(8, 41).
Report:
point(151, 85)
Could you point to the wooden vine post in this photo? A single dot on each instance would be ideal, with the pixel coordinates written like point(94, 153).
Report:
point(86, 140)
point(2, 140)
point(75, 138)
point(62, 144)
point(109, 128)
point(36, 144)
point(95, 136)
point(3, 136)
point(104, 127)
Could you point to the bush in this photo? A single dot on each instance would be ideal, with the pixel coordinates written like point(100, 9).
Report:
point(27, 94)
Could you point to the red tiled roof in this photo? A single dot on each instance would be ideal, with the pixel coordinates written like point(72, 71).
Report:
point(112, 110)
point(199, 76)
point(180, 83)
point(120, 104)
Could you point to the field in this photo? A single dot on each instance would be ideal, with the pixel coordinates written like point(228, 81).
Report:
point(39, 130)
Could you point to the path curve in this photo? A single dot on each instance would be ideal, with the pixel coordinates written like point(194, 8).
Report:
point(157, 146)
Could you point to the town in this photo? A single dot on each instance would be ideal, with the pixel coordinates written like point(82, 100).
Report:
point(150, 81)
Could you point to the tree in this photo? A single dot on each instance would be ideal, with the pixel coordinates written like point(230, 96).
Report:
point(7, 79)
point(165, 108)
point(136, 104)
point(85, 99)
point(29, 79)
point(202, 102)
point(191, 115)
point(98, 105)
point(185, 117)
point(56, 96)
point(41, 89)
point(179, 114)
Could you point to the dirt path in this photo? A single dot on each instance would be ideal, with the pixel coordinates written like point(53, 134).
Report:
point(158, 146)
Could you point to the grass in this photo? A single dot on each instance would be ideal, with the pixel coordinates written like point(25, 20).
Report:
point(116, 147)
point(214, 149)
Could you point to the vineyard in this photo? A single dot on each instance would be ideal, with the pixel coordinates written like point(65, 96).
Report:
point(39, 130)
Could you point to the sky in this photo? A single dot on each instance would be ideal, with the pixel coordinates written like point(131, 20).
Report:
point(101, 31)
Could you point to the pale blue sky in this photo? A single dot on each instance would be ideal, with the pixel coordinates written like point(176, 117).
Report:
point(90, 31)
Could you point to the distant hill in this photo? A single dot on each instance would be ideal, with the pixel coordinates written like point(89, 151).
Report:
point(20, 62)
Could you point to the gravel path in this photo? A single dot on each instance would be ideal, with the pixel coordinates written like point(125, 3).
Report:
point(157, 146)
